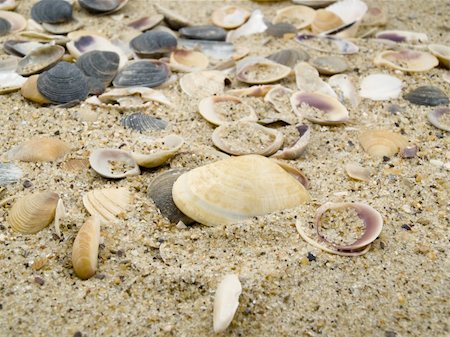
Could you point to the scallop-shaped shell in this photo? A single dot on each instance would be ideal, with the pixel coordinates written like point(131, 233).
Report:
point(379, 87)
point(242, 138)
point(330, 65)
point(146, 22)
point(235, 189)
point(442, 53)
point(327, 44)
point(434, 117)
point(427, 95)
point(108, 204)
point(63, 83)
point(85, 249)
point(100, 64)
point(295, 150)
point(102, 6)
point(30, 91)
point(188, 60)
point(51, 11)
point(259, 70)
point(172, 143)
point(357, 172)
point(9, 174)
point(230, 17)
point(16, 21)
point(113, 163)
point(407, 60)
point(153, 44)
point(203, 83)
point(379, 143)
point(219, 110)
point(142, 122)
point(308, 80)
point(63, 28)
point(299, 16)
point(40, 59)
point(39, 150)
point(402, 36)
point(289, 57)
point(319, 108)
point(226, 302)
point(142, 74)
point(33, 212)
point(254, 25)
point(324, 21)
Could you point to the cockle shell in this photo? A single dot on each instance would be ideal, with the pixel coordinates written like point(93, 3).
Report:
point(295, 150)
point(259, 70)
point(33, 212)
point(325, 21)
point(435, 115)
point(254, 25)
point(402, 36)
point(203, 83)
point(308, 79)
point(108, 204)
point(441, 52)
point(142, 122)
point(226, 302)
point(407, 60)
point(380, 87)
point(85, 248)
point(188, 60)
point(101, 161)
point(327, 44)
point(235, 189)
point(172, 144)
point(379, 143)
point(229, 17)
point(219, 110)
point(40, 59)
point(153, 44)
point(39, 149)
point(299, 16)
point(100, 64)
point(427, 95)
point(145, 73)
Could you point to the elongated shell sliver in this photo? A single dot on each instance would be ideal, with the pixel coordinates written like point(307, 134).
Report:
point(226, 302)
point(85, 249)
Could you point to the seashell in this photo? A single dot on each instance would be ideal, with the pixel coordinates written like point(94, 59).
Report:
point(254, 25)
point(100, 64)
point(63, 83)
point(226, 302)
point(234, 189)
point(160, 191)
point(280, 30)
point(325, 21)
point(379, 143)
point(85, 249)
point(12, 22)
point(314, 3)
point(10, 81)
point(289, 57)
point(30, 91)
point(407, 60)
point(153, 44)
point(259, 70)
point(253, 91)
point(20, 48)
point(327, 44)
point(380, 87)
point(330, 65)
point(375, 16)
point(8, 5)
point(63, 28)
point(188, 60)
point(427, 95)
point(142, 122)
point(108, 204)
point(102, 6)
point(229, 17)
point(441, 52)
point(402, 36)
point(60, 213)
point(446, 76)
point(299, 16)
point(5, 27)
point(308, 80)
point(351, 12)
point(319, 108)
point(205, 32)
point(44, 37)
point(113, 163)
point(241, 138)
point(357, 172)
point(171, 143)
point(203, 83)
point(173, 19)
point(434, 117)
point(40, 59)
point(142, 74)
point(219, 110)
point(146, 22)
point(9, 174)
point(279, 97)
point(39, 149)
point(51, 11)
point(294, 172)
point(345, 90)
point(33, 212)
point(75, 165)
point(295, 150)
point(215, 49)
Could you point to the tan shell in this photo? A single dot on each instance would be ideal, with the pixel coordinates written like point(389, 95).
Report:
point(434, 117)
point(219, 110)
point(33, 212)
point(253, 91)
point(173, 143)
point(85, 249)
point(17, 21)
point(379, 143)
point(74, 165)
point(298, 16)
point(108, 204)
point(259, 70)
point(442, 53)
point(203, 83)
point(235, 189)
point(293, 171)
point(39, 150)
point(407, 60)
point(101, 159)
point(188, 60)
point(229, 17)
point(357, 172)
point(255, 139)
point(325, 21)
point(43, 37)
point(40, 59)
point(30, 91)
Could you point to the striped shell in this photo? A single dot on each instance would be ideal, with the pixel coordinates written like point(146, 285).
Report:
point(107, 204)
point(39, 150)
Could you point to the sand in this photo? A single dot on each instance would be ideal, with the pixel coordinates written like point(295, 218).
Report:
point(155, 279)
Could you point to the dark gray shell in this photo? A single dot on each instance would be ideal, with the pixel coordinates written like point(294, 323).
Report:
point(289, 57)
point(142, 74)
point(51, 11)
point(427, 95)
point(153, 44)
point(206, 32)
point(101, 64)
point(63, 83)
point(280, 29)
point(160, 191)
point(9, 174)
point(100, 6)
point(5, 27)
point(142, 122)
point(95, 85)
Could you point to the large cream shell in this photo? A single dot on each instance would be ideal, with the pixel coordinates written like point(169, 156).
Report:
point(407, 60)
point(230, 17)
point(325, 21)
point(33, 212)
point(85, 249)
point(39, 150)
point(298, 16)
point(107, 203)
point(203, 83)
point(208, 109)
point(235, 189)
point(379, 143)
point(259, 70)
point(100, 162)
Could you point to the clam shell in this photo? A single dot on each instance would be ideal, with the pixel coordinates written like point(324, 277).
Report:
point(10, 81)
point(229, 17)
point(324, 21)
point(327, 44)
point(375, 16)
point(174, 20)
point(427, 95)
point(33, 212)
point(153, 44)
point(254, 25)
point(40, 59)
point(319, 108)
point(279, 97)
point(253, 91)
point(203, 83)
point(172, 144)
point(85, 249)
point(160, 191)
point(258, 70)
point(108, 204)
point(226, 302)
point(357, 172)
point(442, 53)
point(63, 83)
point(142, 122)
point(289, 57)
point(39, 149)
point(280, 30)
point(379, 143)
point(235, 189)
point(19, 47)
point(188, 60)
point(5, 27)
point(345, 90)
point(217, 50)
point(100, 64)
point(51, 11)
point(205, 32)
point(63, 28)
point(102, 6)
point(407, 60)
point(9, 174)
point(243, 138)
point(295, 150)
point(308, 80)
point(142, 74)
point(351, 12)
point(294, 172)
point(30, 91)
point(44, 37)
point(146, 22)
point(299, 16)
point(330, 65)
point(219, 110)
point(434, 117)
point(8, 5)
point(402, 36)
point(16, 21)
point(380, 87)
point(101, 161)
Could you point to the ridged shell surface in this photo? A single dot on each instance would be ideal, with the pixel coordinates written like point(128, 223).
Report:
point(51, 11)
point(153, 44)
point(100, 6)
point(142, 74)
point(100, 64)
point(142, 122)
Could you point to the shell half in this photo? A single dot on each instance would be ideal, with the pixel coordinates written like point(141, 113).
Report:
point(85, 249)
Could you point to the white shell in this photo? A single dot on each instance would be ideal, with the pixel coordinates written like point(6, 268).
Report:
point(229, 17)
point(345, 90)
point(254, 25)
point(441, 52)
point(308, 79)
point(209, 108)
point(100, 161)
point(172, 142)
point(259, 70)
point(188, 60)
point(226, 302)
point(349, 10)
point(10, 81)
point(380, 87)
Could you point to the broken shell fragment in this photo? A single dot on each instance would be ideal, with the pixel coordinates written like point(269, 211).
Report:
point(85, 249)
point(100, 64)
point(9, 174)
point(402, 36)
point(427, 95)
point(30, 91)
point(142, 122)
point(226, 302)
point(229, 17)
point(379, 143)
point(39, 150)
point(259, 70)
point(113, 163)
point(188, 60)
point(327, 44)
point(407, 60)
point(40, 59)
point(308, 79)
point(171, 144)
point(357, 172)
point(10, 81)
point(330, 65)
point(108, 204)
point(434, 117)
point(325, 21)
point(203, 83)
point(442, 53)
point(295, 150)
point(254, 25)
point(153, 44)
point(289, 57)
point(60, 213)
point(51, 11)
point(219, 110)
point(279, 97)
point(343, 86)
point(33, 212)
point(142, 74)
point(380, 87)
point(298, 16)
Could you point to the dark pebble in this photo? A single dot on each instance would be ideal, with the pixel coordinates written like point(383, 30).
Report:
point(1, 306)
point(78, 334)
point(382, 245)
point(120, 253)
point(311, 257)
point(2, 228)
point(39, 280)
point(27, 184)
point(406, 227)
point(100, 276)
point(390, 334)
point(385, 158)
point(350, 143)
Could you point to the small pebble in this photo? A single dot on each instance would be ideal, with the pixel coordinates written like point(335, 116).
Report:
point(311, 257)
point(39, 280)
point(406, 227)
point(390, 334)
point(27, 184)
point(100, 276)
point(385, 158)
